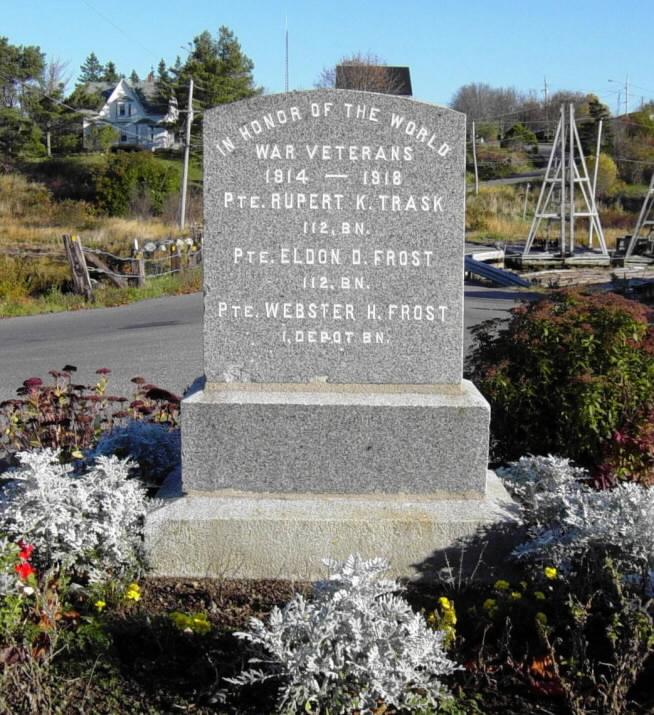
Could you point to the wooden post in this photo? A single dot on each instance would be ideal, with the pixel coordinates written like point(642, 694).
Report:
point(175, 260)
point(78, 267)
point(524, 209)
point(140, 263)
point(474, 157)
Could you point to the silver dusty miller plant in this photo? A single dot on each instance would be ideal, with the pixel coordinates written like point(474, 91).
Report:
point(564, 516)
point(91, 522)
point(355, 645)
point(155, 447)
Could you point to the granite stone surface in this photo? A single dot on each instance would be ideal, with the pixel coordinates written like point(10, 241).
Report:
point(366, 439)
point(276, 536)
point(333, 247)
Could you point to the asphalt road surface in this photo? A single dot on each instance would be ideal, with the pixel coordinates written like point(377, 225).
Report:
point(159, 339)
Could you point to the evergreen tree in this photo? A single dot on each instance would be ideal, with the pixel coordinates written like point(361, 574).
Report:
point(110, 73)
point(19, 67)
point(222, 72)
point(82, 98)
point(163, 76)
point(589, 127)
point(91, 70)
point(134, 78)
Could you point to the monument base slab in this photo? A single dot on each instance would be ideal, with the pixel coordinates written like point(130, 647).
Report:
point(273, 536)
point(324, 438)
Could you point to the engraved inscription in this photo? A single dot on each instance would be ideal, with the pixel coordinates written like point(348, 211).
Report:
point(317, 247)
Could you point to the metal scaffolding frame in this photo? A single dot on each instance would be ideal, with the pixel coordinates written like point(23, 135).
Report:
point(645, 218)
point(566, 177)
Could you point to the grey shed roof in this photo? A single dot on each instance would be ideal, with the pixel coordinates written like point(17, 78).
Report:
point(374, 78)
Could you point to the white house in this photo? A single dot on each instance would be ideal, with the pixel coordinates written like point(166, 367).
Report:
point(137, 112)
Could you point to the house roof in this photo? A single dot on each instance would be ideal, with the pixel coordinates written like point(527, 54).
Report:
point(146, 92)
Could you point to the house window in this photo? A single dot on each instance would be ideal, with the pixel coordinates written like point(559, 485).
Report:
point(121, 109)
point(129, 109)
point(123, 137)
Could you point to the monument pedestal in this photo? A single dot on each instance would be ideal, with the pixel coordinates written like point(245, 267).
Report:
point(286, 536)
point(279, 477)
point(343, 439)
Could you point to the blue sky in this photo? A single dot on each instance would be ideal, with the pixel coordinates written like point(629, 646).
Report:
point(575, 44)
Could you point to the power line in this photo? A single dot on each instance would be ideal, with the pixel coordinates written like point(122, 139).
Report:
point(120, 29)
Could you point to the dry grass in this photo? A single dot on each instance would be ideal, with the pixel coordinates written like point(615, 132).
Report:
point(496, 215)
point(30, 218)
point(31, 221)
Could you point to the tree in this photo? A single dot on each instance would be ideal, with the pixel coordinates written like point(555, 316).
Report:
point(83, 98)
point(18, 135)
point(365, 71)
point(101, 137)
point(91, 70)
point(134, 79)
point(44, 103)
point(607, 174)
point(222, 72)
point(634, 145)
point(110, 73)
point(519, 138)
point(19, 66)
point(480, 101)
point(591, 114)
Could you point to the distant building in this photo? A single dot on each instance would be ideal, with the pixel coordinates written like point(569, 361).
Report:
point(374, 78)
point(142, 118)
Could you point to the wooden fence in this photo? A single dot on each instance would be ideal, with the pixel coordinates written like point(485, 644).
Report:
point(150, 261)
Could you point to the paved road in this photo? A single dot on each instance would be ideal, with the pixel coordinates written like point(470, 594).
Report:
point(159, 339)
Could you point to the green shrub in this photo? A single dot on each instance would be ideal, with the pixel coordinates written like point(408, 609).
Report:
point(519, 138)
point(133, 177)
point(496, 163)
point(566, 375)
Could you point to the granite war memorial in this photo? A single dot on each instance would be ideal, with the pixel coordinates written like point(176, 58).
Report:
point(333, 416)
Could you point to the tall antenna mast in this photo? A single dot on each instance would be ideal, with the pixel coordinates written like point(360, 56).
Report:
point(286, 58)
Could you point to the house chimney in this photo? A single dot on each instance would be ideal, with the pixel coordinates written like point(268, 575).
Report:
point(150, 77)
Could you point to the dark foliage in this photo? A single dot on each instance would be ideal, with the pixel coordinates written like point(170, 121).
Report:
point(567, 375)
point(71, 417)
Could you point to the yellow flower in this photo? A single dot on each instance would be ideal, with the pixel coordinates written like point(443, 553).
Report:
point(541, 618)
point(502, 585)
point(550, 572)
point(133, 592)
point(489, 604)
point(77, 454)
point(539, 595)
point(515, 595)
point(445, 603)
point(100, 605)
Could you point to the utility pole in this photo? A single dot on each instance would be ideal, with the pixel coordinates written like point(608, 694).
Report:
point(546, 106)
point(626, 94)
point(286, 58)
point(187, 153)
point(474, 157)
